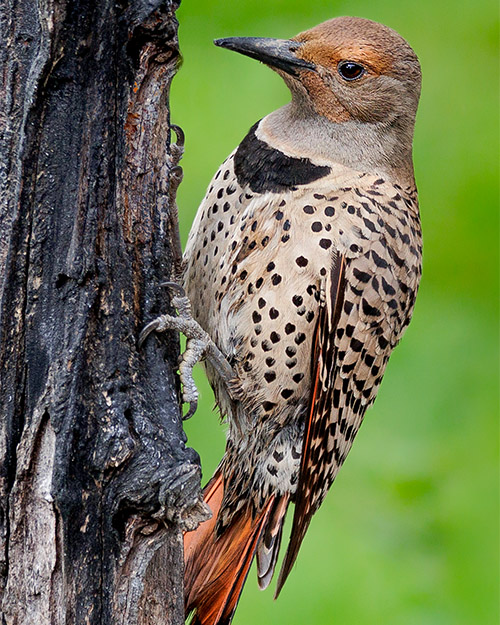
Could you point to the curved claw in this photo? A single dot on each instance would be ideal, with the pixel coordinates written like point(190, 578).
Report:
point(175, 287)
point(176, 175)
point(179, 134)
point(193, 405)
point(146, 331)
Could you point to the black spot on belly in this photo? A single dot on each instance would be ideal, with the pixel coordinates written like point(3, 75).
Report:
point(264, 168)
point(278, 456)
point(272, 470)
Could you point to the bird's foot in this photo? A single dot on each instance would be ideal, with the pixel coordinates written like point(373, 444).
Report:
point(199, 345)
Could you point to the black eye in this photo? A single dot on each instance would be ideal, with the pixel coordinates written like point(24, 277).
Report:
point(349, 70)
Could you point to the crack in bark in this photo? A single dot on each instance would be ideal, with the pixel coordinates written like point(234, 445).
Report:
point(95, 471)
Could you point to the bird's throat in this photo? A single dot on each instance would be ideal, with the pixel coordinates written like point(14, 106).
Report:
point(359, 146)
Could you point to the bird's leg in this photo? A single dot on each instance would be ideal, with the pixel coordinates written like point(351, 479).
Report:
point(199, 345)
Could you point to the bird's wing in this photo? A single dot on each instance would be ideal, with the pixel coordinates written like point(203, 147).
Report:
point(316, 437)
point(367, 303)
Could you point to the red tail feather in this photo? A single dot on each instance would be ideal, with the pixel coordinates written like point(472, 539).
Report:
point(216, 568)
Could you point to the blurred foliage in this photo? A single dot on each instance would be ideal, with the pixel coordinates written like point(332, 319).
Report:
point(409, 531)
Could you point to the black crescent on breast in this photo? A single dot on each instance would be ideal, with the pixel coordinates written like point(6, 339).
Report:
point(264, 168)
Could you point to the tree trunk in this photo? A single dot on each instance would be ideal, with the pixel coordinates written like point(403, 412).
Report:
point(96, 483)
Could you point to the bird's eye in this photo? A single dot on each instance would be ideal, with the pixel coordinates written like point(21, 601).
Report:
point(349, 70)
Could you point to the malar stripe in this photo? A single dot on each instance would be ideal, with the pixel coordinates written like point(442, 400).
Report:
point(264, 168)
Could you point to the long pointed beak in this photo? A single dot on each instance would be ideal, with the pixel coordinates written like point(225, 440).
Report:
point(277, 53)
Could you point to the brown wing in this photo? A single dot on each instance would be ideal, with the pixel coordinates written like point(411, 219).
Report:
point(369, 301)
point(309, 489)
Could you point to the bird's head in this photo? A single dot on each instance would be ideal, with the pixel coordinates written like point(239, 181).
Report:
point(345, 69)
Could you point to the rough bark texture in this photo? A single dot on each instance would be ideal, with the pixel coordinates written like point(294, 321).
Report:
point(96, 483)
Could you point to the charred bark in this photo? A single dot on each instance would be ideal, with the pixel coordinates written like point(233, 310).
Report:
point(96, 483)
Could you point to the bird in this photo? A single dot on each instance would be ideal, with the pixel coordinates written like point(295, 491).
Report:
point(302, 265)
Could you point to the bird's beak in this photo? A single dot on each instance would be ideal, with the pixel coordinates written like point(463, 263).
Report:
point(277, 53)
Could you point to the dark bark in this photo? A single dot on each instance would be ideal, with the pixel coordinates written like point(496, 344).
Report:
point(96, 483)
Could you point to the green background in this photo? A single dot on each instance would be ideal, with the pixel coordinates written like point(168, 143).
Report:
point(408, 533)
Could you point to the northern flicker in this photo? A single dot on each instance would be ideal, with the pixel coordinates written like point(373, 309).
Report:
point(302, 265)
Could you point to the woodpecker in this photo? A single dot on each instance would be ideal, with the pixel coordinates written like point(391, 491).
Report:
point(302, 265)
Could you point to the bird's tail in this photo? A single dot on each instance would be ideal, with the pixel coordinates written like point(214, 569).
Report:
point(216, 567)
